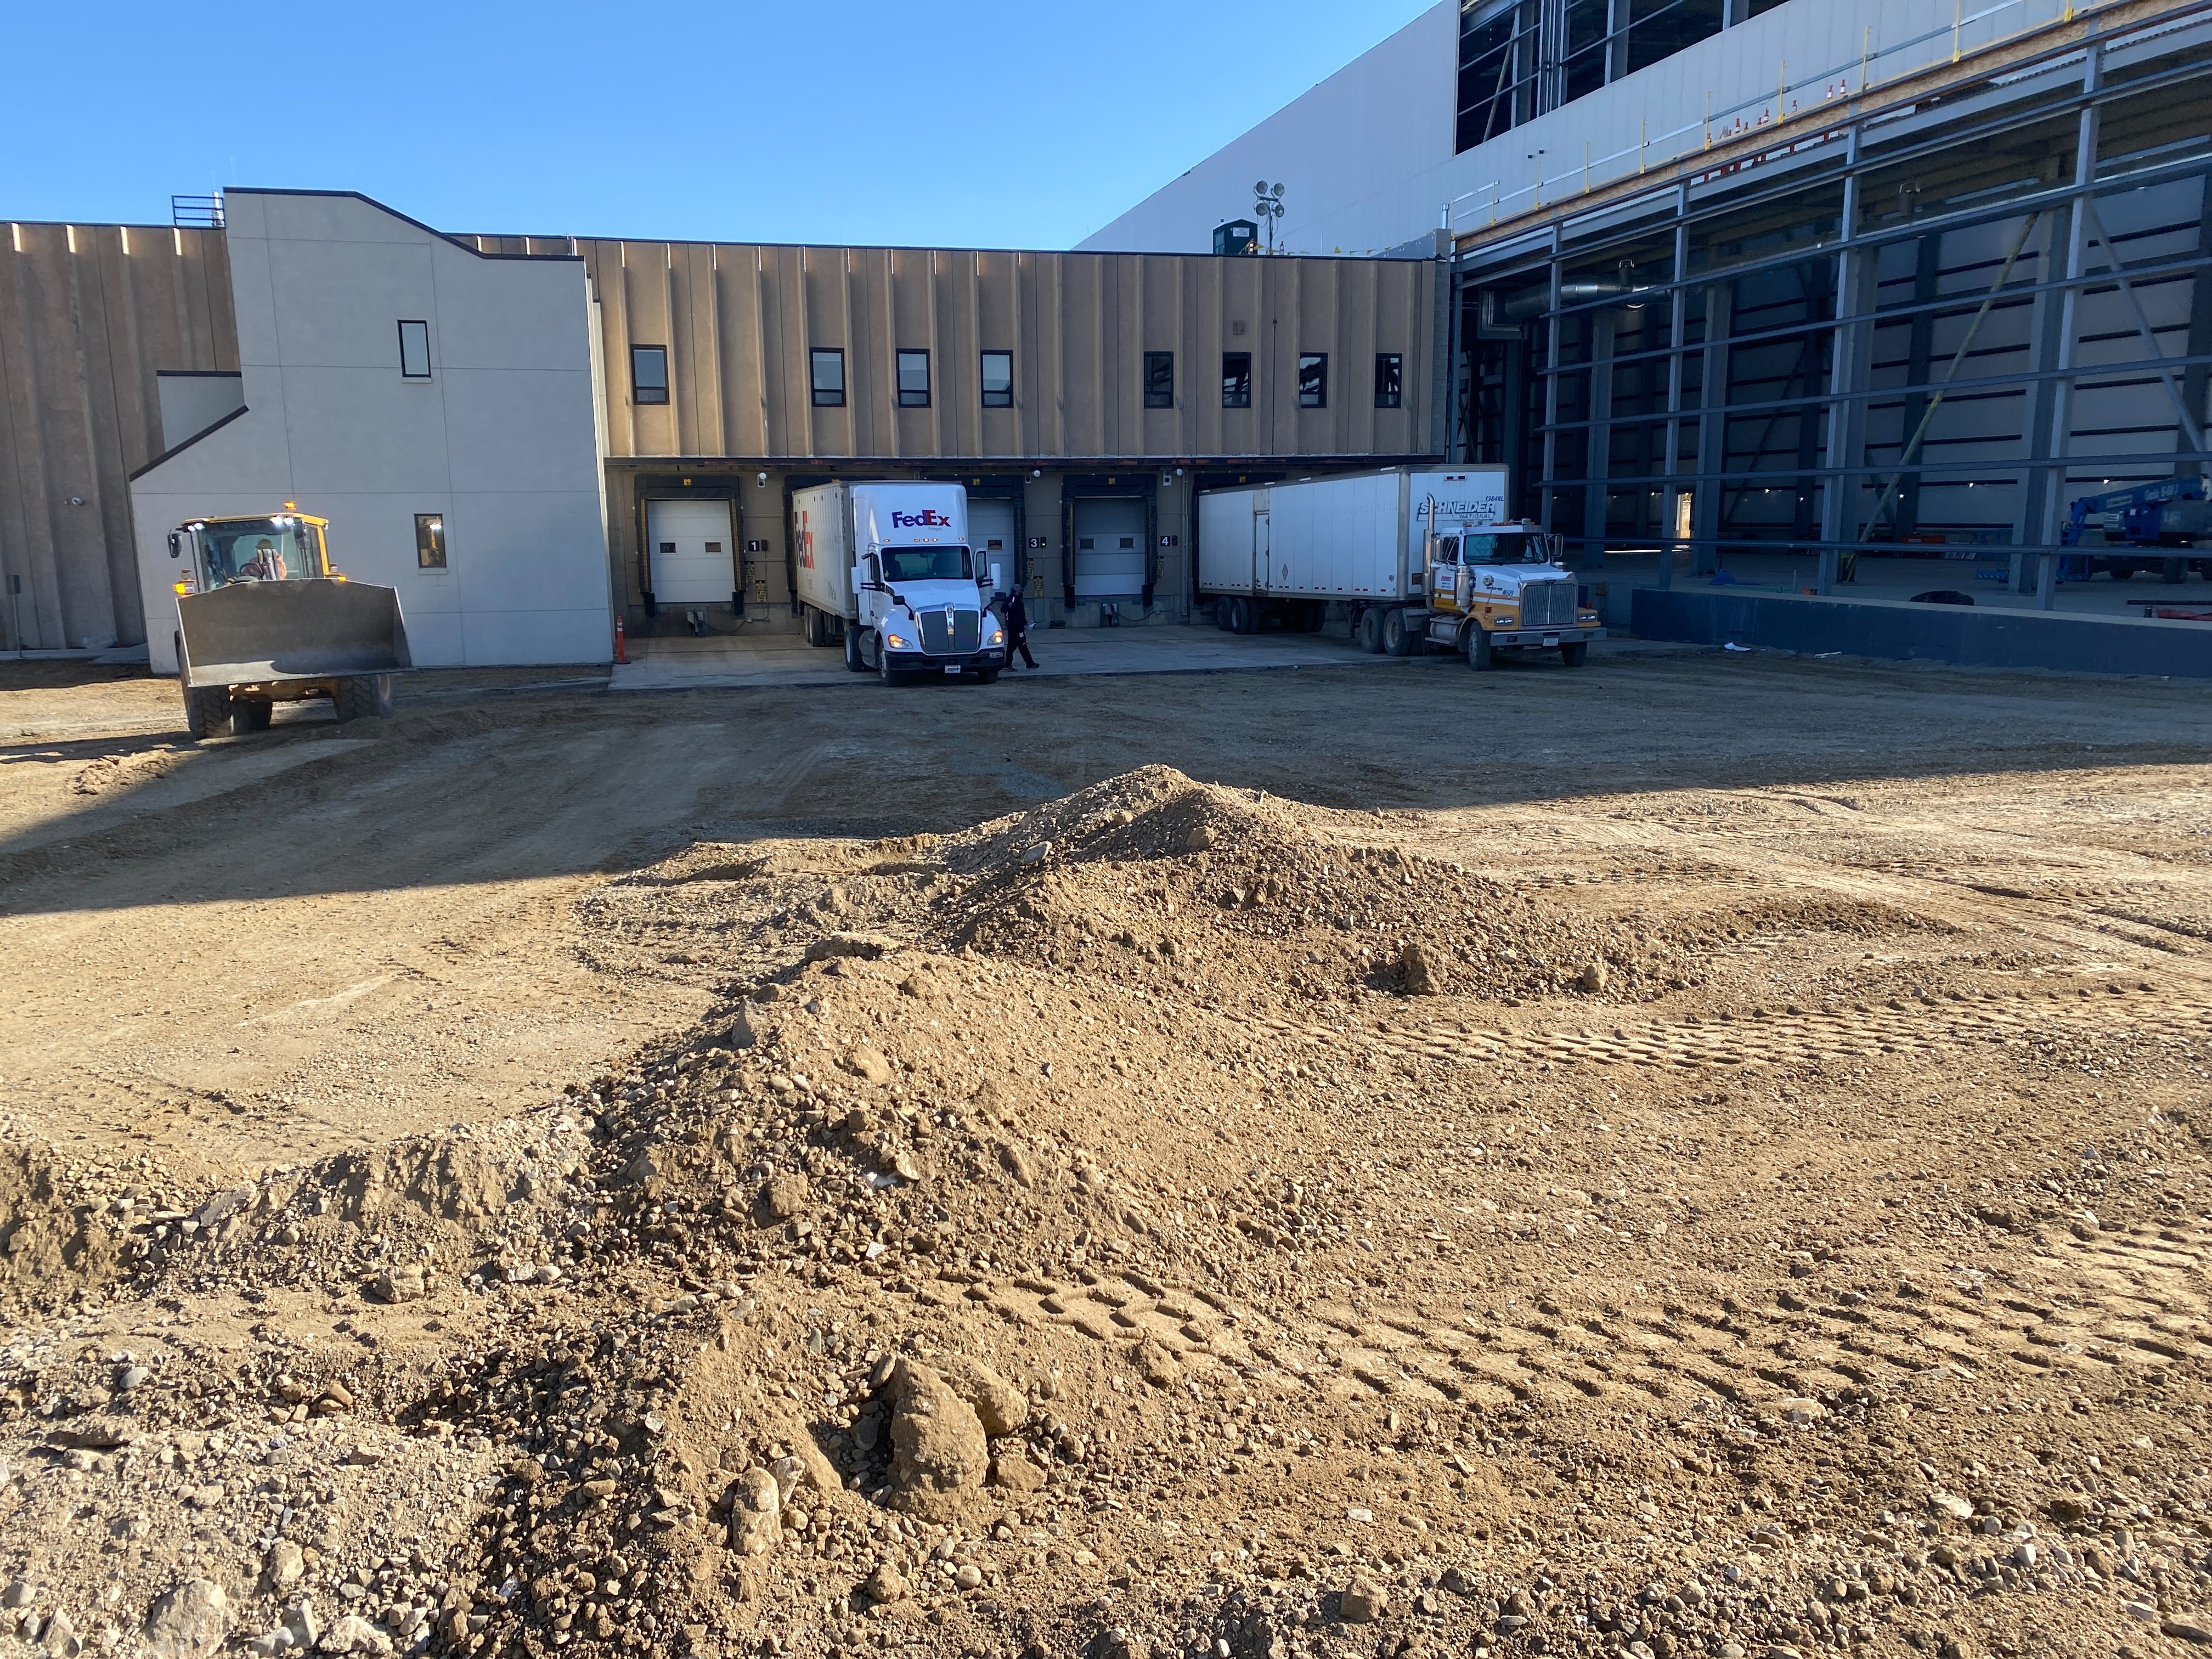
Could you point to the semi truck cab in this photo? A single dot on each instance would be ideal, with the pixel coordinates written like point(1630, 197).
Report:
point(1501, 586)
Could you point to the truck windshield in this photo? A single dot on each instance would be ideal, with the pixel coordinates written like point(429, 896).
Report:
point(1501, 550)
point(274, 549)
point(927, 564)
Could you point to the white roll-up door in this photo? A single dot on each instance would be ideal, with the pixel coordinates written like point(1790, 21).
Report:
point(1109, 548)
point(692, 554)
point(991, 537)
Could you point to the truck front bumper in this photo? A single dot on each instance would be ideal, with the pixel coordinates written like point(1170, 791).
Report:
point(1541, 636)
point(921, 662)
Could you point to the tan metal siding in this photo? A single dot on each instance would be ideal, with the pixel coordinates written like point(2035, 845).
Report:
point(89, 314)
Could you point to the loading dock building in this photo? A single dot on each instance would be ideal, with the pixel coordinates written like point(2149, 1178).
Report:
point(596, 428)
point(1739, 279)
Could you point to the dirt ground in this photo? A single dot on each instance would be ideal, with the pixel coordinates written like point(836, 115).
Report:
point(1700, 1155)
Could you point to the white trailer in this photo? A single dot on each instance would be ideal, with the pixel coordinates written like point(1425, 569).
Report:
point(887, 567)
point(1419, 557)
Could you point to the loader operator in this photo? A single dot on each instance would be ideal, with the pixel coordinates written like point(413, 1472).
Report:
point(267, 564)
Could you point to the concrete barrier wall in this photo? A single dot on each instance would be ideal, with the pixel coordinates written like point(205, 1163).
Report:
point(1975, 636)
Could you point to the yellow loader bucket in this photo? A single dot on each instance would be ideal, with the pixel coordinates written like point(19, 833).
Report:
point(249, 633)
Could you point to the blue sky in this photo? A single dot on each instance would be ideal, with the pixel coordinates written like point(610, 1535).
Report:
point(982, 123)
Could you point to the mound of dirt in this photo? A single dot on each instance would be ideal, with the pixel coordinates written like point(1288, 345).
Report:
point(1032, 1253)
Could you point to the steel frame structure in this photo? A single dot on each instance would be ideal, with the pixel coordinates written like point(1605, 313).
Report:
point(1589, 294)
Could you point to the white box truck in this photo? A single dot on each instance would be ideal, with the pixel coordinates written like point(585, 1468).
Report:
point(1421, 558)
point(887, 567)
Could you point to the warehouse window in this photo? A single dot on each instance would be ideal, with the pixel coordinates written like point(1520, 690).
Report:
point(1522, 57)
point(829, 371)
point(1159, 379)
point(1237, 380)
point(415, 351)
point(998, 380)
point(649, 374)
point(1313, 380)
point(430, 540)
point(1390, 378)
point(913, 379)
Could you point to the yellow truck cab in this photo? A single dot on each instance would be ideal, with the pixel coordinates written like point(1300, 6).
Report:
point(1500, 587)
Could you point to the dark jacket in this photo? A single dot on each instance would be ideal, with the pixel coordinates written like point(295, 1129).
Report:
point(1017, 616)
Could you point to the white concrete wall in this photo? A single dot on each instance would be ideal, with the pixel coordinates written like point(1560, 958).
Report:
point(192, 403)
point(501, 439)
point(1365, 158)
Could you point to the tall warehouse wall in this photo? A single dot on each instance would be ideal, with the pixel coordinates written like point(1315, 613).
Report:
point(88, 315)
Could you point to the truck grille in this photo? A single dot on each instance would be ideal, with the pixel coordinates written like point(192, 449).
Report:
point(951, 633)
point(1547, 604)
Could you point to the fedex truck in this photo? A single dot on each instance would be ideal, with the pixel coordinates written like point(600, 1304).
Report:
point(887, 567)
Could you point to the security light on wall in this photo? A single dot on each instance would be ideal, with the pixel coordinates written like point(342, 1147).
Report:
point(760, 480)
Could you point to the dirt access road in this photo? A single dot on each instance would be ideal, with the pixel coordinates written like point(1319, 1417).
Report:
point(262, 948)
point(1704, 1156)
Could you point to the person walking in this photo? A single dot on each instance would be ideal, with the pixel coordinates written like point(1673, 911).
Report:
point(1018, 628)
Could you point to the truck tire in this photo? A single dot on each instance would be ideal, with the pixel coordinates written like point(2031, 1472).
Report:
point(1313, 617)
point(988, 676)
point(207, 710)
point(1575, 653)
point(249, 715)
point(889, 675)
point(2173, 572)
point(363, 696)
point(1478, 655)
point(854, 659)
point(1223, 614)
point(1250, 613)
point(1399, 640)
point(1367, 630)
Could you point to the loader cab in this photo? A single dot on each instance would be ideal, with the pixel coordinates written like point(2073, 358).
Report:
point(213, 553)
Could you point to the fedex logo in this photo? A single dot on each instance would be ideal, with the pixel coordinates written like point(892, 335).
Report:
point(929, 518)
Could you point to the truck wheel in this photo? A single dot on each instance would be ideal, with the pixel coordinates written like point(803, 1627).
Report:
point(854, 659)
point(890, 674)
point(988, 676)
point(363, 696)
point(1399, 640)
point(1222, 613)
point(1250, 614)
point(1367, 631)
point(1575, 653)
point(1314, 618)
point(2173, 572)
point(207, 710)
point(249, 715)
point(1477, 649)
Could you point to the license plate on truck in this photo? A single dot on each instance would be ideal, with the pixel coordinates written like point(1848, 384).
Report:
point(952, 668)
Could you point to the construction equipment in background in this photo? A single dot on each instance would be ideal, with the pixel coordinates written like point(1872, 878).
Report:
point(263, 619)
point(2151, 518)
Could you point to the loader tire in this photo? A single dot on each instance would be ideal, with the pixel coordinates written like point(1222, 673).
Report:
point(364, 697)
point(207, 710)
point(249, 715)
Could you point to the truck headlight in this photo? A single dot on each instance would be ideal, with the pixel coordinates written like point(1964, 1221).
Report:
point(998, 634)
point(896, 642)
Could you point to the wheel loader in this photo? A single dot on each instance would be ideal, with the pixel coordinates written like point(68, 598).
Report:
point(263, 619)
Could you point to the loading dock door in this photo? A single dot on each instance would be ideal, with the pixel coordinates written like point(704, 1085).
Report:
point(1109, 549)
point(691, 553)
point(991, 534)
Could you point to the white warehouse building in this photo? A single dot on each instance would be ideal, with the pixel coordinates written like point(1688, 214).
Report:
point(417, 394)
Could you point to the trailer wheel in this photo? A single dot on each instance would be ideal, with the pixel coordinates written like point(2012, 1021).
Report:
point(1478, 655)
point(2173, 571)
point(1314, 618)
point(1398, 639)
point(1575, 653)
point(249, 715)
point(1367, 630)
point(207, 710)
point(363, 696)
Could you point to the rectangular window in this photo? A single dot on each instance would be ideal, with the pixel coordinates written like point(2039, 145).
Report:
point(1237, 380)
point(828, 368)
point(998, 380)
point(1159, 379)
point(913, 379)
point(430, 540)
point(1313, 380)
point(415, 351)
point(649, 374)
point(1390, 378)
